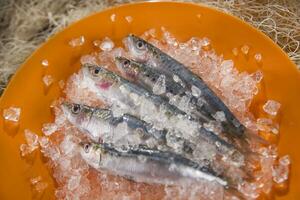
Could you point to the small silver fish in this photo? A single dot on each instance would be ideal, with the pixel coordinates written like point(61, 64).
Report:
point(147, 77)
point(105, 79)
point(100, 123)
point(91, 120)
point(168, 65)
point(146, 165)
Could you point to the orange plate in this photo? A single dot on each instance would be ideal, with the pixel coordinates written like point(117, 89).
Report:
point(281, 79)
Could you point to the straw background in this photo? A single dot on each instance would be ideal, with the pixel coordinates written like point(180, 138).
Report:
point(25, 24)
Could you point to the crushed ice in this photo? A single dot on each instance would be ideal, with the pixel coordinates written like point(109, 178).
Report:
point(76, 180)
point(12, 114)
point(48, 80)
point(271, 107)
point(76, 42)
point(106, 44)
point(32, 143)
point(45, 63)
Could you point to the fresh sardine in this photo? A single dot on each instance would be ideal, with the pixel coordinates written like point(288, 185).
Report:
point(176, 93)
point(94, 120)
point(169, 66)
point(146, 165)
point(101, 124)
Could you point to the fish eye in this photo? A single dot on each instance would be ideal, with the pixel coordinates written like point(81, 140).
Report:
point(86, 147)
point(96, 71)
point(75, 109)
point(126, 63)
point(140, 45)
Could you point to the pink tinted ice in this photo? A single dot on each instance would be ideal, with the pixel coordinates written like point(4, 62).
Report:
point(31, 138)
point(44, 142)
point(45, 63)
point(271, 107)
point(267, 125)
point(106, 44)
point(88, 59)
point(32, 143)
point(12, 114)
point(48, 80)
point(281, 171)
point(129, 19)
point(49, 128)
point(76, 42)
point(258, 57)
point(37, 184)
point(61, 84)
point(35, 180)
point(245, 49)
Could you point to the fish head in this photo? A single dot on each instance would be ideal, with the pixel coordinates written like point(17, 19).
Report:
point(136, 46)
point(103, 78)
point(91, 153)
point(77, 114)
point(128, 67)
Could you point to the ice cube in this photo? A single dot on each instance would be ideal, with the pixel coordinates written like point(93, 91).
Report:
point(106, 44)
point(74, 182)
point(35, 180)
point(245, 49)
point(267, 125)
point(76, 42)
point(68, 146)
point(250, 190)
point(44, 142)
point(41, 186)
point(194, 43)
point(25, 149)
point(226, 67)
point(280, 173)
point(45, 63)
point(48, 80)
point(49, 128)
point(169, 38)
point(205, 42)
point(149, 33)
point(129, 19)
point(61, 84)
point(177, 79)
point(257, 76)
point(160, 85)
point(271, 107)
point(196, 92)
point(235, 51)
point(184, 102)
point(97, 43)
point(89, 59)
point(175, 142)
point(285, 160)
point(220, 116)
point(31, 138)
point(258, 57)
point(12, 114)
point(113, 17)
